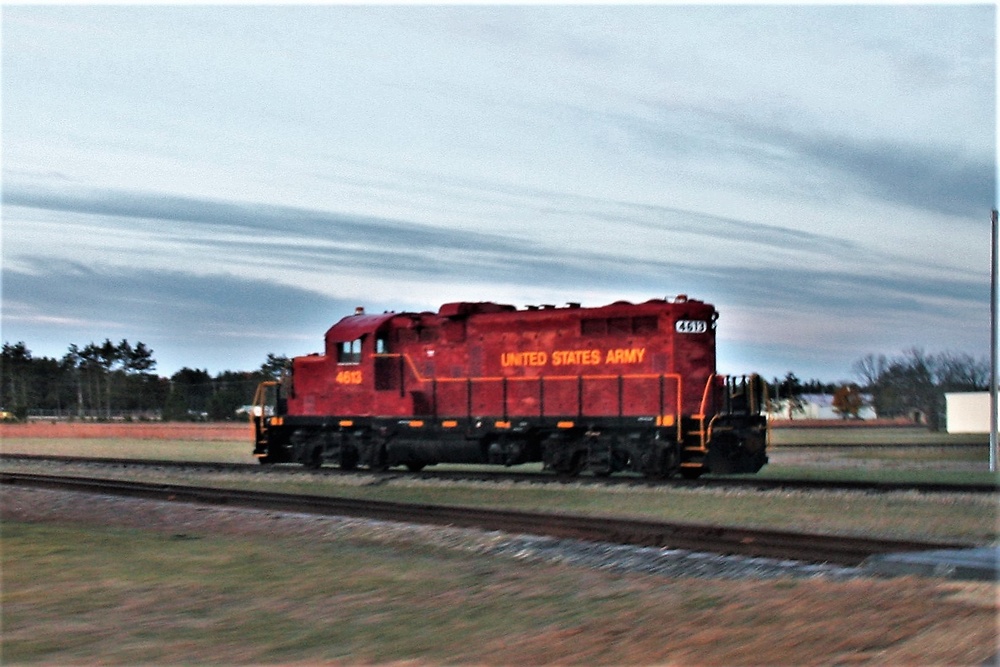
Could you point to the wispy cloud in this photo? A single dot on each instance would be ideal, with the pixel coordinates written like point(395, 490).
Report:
point(158, 299)
point(940, 180)
point(290, 237)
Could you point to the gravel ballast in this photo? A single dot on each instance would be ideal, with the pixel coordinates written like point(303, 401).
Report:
point(45, 505)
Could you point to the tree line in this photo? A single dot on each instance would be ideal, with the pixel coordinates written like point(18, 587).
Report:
point(108, 380)
point(916, 382)
point(911, 384)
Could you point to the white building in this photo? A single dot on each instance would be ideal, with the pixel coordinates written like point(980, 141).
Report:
point(968, 412)
point(814, 406)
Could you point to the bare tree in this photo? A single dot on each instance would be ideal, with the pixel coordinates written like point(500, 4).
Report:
point(870, 368)
point(915, 382)
point(959, 371)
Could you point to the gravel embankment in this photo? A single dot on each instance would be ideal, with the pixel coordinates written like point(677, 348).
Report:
point(184, 519)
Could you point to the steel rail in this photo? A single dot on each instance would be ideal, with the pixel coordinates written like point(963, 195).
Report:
point(750, 482)
point(811, 547)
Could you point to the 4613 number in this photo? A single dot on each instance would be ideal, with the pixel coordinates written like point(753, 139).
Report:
point(691, 326)
point(349, 377)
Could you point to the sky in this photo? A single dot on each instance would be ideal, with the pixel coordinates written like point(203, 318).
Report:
point(223, 182)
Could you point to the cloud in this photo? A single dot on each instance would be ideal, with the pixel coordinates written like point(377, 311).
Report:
point(209, 214)
point(288, 273)
point(291, 238)
point(158, 301)
point(936, 178)
point(823, 318)
point(939, 180)
point(227, 300)
point(772, 160)
point(218, 321)
point(340, 231)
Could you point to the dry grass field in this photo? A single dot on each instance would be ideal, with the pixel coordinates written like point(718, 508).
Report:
point(130, 582)
point(175, 584)
point(79, 430)
point(224, 442)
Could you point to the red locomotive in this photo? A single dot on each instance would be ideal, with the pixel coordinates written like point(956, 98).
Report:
point(620, 387)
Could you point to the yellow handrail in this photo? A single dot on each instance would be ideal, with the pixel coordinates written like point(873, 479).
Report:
point(628, 376)
point(257, 406)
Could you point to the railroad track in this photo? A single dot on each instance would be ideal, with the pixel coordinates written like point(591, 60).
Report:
point(811, 547)
point(509, 476)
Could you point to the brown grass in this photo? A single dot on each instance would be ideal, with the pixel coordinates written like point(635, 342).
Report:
point(127, 430)
point(251, 594)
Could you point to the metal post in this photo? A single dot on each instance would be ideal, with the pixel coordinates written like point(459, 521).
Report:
point(503, 383)
point(993, 343)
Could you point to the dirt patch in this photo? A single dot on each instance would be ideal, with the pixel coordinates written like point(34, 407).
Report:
point(225, 431)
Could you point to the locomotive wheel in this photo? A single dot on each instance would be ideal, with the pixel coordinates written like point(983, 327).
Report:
point(413, 466)
point(380, 459)
point(575, 467)
point(316, 460)
point(667, 460)
point(348, 459)
point(692, 473)
point(349, 463)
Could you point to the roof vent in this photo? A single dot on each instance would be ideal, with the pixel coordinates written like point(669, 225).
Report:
point(360, 310)
point(573, 304)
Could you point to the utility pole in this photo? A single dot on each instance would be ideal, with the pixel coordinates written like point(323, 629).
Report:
point(993, 344)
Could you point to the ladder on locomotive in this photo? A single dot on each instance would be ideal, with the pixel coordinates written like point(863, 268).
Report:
point(740, 396)
point(262, 407)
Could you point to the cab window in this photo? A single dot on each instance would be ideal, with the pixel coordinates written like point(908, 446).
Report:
point(349, 352)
